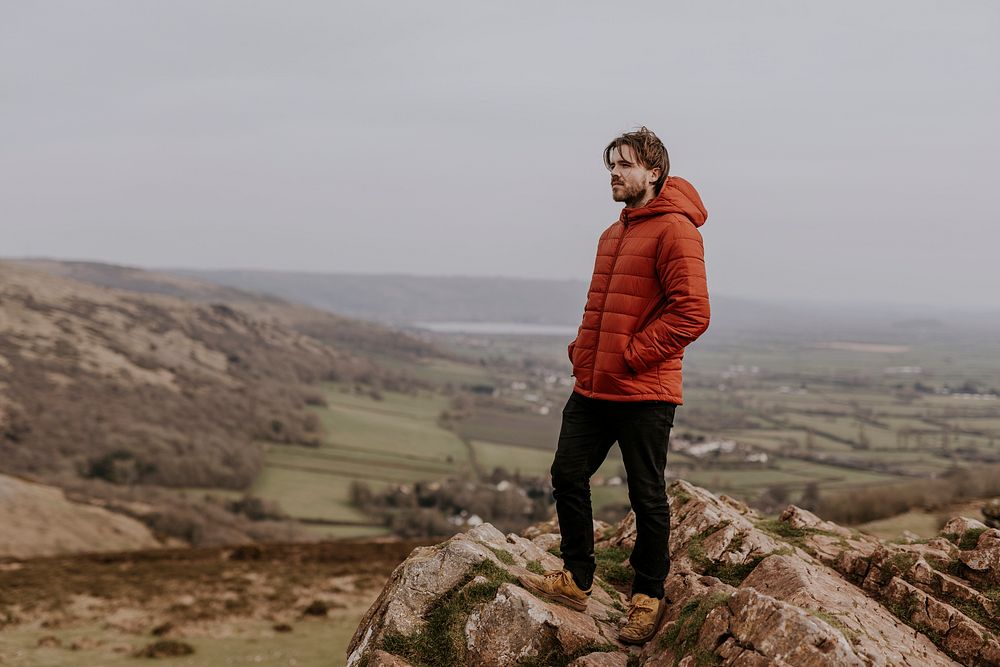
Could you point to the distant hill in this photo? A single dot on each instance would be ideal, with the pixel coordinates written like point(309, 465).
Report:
point(325, 324)
point(406, 299)
point(403, 299)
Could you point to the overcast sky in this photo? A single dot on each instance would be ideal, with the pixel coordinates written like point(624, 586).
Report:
point(846, 151)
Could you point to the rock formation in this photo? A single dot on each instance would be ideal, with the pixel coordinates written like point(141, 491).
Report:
point(744, 590)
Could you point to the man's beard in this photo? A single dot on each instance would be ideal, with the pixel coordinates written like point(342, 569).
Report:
point(629, 194)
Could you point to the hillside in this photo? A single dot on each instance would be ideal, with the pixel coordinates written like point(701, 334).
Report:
point(743, 590)
point(346, 333)
point(38, 520)
point(135, 397)
point(403, 299)
point(149, 388)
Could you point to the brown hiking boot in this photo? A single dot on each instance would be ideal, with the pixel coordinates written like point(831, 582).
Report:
point(558, 586)
point(644, 617)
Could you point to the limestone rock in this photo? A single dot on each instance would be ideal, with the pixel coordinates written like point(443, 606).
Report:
point(417, 582)
point(601, 659)
point(784, 633)
point(547, 541)
point(961, 525)
point(799, 518)
point(989, 538)
point(876, 636)
point(532, 628)
point(984, 561)
point(383, 659)
point(551, 527)
point(743, 590)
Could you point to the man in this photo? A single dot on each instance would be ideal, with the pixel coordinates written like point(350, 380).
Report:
point(648, 299)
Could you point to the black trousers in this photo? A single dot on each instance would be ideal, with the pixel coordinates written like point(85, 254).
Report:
point(590, 428)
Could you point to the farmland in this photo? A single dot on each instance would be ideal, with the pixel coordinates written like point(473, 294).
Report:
point(837, 417)
point(393, 440)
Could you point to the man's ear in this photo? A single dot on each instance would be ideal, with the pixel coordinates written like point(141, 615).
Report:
point(654, 175)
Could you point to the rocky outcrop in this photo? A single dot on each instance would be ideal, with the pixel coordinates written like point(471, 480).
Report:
point(743, 589)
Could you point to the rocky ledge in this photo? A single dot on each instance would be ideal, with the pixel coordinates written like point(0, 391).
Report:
point(744, 590)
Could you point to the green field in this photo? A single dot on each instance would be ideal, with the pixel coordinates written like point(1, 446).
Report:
point(395, 440)
point(533, 460)
point(525, 429)
point(830, 416)
point(438, 371)
point(527, 460)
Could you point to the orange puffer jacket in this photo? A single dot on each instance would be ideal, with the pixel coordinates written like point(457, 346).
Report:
point(648, 299)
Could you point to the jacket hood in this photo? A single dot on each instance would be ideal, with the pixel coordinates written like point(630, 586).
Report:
point(676, 196)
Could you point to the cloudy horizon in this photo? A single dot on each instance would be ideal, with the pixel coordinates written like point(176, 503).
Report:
point(844, 152)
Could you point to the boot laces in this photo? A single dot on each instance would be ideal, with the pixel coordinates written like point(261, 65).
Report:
point(637, 607)
point(555, 574)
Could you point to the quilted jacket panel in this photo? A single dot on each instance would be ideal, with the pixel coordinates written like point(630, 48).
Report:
point(648, 299)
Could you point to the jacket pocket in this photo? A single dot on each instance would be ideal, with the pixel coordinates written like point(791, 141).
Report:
point(630, 356)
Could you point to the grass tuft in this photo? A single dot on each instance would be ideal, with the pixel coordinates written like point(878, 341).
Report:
point(952, 567)
point(681, 495)
point(970, 539)
point(612, 566)
point(505, 556)
point(896, 565)
point(783, 530)
point(734, 573)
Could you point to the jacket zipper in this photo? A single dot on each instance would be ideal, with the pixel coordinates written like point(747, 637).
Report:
point(604, 304)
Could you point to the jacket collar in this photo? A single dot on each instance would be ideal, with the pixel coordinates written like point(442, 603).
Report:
point(676, 196)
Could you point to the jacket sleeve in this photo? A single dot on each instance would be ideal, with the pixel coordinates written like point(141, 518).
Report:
point(680, 265)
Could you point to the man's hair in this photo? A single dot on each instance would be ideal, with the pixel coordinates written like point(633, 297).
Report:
point(648, 149)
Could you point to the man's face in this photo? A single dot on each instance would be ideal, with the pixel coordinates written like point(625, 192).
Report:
point(631, 182)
